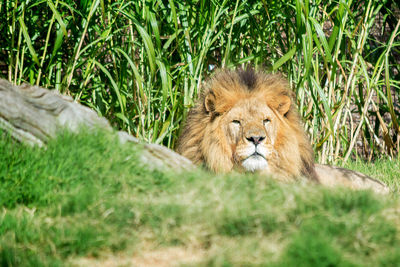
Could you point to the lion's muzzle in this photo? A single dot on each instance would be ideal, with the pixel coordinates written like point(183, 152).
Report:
point(257, 158)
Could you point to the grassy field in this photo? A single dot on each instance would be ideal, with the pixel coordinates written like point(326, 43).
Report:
point(84, 201)
point(140, 63)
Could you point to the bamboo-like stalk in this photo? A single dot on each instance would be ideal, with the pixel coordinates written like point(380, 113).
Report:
point(141, 63)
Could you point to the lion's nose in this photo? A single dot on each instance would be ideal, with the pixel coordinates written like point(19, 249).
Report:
point(255, 139)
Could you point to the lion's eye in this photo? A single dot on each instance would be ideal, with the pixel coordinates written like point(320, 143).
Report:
point(236, 122)
point(266, 121)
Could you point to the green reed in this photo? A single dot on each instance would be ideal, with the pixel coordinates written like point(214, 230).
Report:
point(141, 63)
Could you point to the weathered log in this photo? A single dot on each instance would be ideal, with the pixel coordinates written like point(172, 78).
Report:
point(33, 115)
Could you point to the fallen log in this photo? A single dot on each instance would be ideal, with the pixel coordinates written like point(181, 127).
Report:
point(33, 115)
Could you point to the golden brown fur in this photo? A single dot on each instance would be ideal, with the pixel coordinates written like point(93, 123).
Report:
point(239, 109)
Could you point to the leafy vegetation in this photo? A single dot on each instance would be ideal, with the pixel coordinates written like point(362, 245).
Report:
point(140, 63)
point(84, 199)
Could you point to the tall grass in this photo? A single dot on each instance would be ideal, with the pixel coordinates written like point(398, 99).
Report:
point(141, 63)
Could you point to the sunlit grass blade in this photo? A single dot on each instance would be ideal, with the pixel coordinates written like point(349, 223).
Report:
point(28, 40)
point(284, 59)
point(327, 110)
point(77, 49)
point(121, 100)
point(58, 17)
point(326, 52)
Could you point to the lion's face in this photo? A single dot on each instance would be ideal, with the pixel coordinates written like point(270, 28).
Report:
point(250, 128)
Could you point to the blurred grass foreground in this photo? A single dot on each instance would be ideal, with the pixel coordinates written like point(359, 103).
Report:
point(85, 201)
point(140, 63)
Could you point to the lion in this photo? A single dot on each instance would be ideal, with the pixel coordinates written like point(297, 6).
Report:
point(246, 121)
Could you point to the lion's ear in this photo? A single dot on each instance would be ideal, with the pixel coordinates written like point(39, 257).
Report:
point(209, 102)
point(283, 104)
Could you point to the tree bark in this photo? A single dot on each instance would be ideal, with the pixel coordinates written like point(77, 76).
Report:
point(33, 115)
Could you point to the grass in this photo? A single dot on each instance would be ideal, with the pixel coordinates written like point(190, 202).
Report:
point(141, 63)
point(85, 200)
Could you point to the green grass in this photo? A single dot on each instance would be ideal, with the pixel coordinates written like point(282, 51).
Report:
point(85, 199)
point(140, 63)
